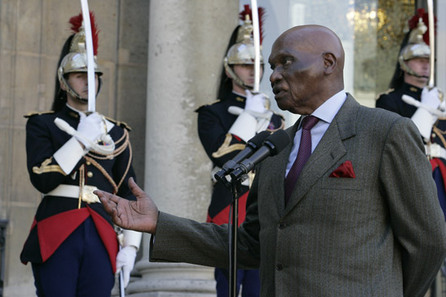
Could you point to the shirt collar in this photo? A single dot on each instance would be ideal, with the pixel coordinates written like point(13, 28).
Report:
point(74, 109)
point(328, 110)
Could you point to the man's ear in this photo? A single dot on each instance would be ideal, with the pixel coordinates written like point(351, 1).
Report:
point(62, 86)
point(330, 62)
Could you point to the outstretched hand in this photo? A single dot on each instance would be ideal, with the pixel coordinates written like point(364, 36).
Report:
point(140, 215)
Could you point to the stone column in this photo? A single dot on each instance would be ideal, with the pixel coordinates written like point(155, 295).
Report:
point(187, 42)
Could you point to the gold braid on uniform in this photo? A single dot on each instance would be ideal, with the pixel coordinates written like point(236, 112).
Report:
point(104, 172)
point(440, 134)
point(282, 127)
point(226, 148)
point(81, 184)
point(45, 167)
point(121, 145)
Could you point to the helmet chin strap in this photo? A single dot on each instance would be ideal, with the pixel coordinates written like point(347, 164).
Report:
point(235, 77)
point(74, 94)
point(408, 70)
point(419, 76)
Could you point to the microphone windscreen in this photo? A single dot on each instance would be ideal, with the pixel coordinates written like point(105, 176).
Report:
point(258, 139)
point(278, 141)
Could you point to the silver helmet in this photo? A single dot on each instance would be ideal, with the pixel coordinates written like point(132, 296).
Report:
point(242, 52)
point(415, 48)
point(76, 59)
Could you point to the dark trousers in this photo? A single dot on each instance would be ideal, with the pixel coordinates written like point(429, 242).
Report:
point(248, 279)
point(438, 178)
point(79, 268)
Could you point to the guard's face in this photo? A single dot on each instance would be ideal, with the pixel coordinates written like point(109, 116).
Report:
point(420, 66)
point(79, 83)
point(246, 73)
point(297, 69)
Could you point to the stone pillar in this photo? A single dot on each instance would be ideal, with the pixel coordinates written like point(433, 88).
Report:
point(187, 42)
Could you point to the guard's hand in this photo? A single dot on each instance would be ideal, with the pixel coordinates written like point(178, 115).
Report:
point(430, 98)
point(125, 260)
point(90, 129)
point(140, 215)
point(255, 103)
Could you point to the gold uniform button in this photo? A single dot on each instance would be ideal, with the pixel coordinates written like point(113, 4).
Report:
point(90, 174)
point(88, 163)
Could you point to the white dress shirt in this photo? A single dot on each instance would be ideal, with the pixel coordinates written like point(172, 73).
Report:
point(325, 113)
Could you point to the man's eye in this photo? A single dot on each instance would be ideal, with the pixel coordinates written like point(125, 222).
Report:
point(287, 61)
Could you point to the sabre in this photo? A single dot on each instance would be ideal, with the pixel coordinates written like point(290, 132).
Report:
point(90, 57)
point(430, 14)
point(256, 37)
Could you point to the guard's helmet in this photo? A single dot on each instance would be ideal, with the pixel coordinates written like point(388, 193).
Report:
point(416, 47)
point(242, 52)
point(76, 59)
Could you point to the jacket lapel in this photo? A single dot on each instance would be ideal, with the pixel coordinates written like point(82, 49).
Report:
point(329, 150)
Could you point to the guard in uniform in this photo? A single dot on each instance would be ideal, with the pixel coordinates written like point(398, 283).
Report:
point(72, 244)
point(410, 81)
point(225, 126)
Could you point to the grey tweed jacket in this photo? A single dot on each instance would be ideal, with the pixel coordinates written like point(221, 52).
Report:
point(380, 234)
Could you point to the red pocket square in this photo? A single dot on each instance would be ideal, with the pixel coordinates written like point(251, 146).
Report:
point(345, 170)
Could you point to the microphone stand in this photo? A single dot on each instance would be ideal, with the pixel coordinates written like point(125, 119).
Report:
point(235, 187)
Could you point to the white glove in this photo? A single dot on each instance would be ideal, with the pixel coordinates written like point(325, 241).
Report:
point(246, 124)
point(90, 129)
point(125, 260)
point(430, 97)
point(255, 103)
point(423, 118)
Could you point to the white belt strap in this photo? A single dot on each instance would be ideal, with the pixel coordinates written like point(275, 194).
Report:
point(434, 150)
point(70, 191)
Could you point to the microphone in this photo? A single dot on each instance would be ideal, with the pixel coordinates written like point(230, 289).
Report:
point(252, 145)
point(274, 144)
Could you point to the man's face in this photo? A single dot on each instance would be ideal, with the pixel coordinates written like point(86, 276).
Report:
point(297, 69)
point(78, 81)
point(246, 73)
point(421, 67)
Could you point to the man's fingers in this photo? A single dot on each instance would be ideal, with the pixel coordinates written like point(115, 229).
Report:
point(136, 190)
point(107, 200)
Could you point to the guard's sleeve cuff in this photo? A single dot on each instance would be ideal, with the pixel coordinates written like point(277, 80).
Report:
point(424, 121)
point(244, 126)
point(69, 155)
point(132, 238)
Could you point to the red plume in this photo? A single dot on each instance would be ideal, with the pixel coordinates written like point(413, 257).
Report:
point(261, 12)
point(413, 22)
point(76, 23)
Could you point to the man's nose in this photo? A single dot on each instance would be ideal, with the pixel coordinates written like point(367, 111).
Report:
point(275, 76)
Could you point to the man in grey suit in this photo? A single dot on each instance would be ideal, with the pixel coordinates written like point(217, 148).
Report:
point(363, 218)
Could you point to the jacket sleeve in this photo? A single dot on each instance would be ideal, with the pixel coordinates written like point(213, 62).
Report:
point(184, 240)
point(220, 146)
point(415, 214)
point(41, 146)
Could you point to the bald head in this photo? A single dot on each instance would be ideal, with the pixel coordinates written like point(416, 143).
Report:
point(316, 39)
point(307, 63)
